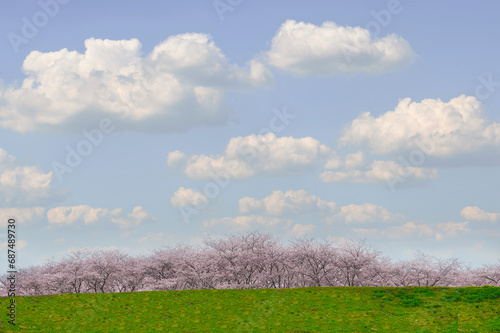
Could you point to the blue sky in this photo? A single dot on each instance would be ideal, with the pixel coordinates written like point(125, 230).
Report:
point(373, 119)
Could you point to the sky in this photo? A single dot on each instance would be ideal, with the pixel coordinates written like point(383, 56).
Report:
point(133, 126)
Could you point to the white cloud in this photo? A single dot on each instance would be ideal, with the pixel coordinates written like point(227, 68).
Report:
point(378, 172)
point(353, 168)
point(19, 244)
point(477, 214)
point(431, 127)
point(300, 230)
point(451, 229)
point(187, 197)
point(85, 213)
point(294, 202)
point(306, 49)
point(364, 213)
point(350, 161)
point(21, 215)
point(243, 221)
point(354, 160)
point(406, 230)
point(135, 218)
point(22, 185)
point(5, 159)
point(176, 160)
point(289, 202)
point(254, 155)
point(410, 229)
point(268, 155)
point(179, 85)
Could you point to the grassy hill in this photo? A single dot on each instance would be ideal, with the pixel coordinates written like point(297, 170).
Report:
point(335, 309)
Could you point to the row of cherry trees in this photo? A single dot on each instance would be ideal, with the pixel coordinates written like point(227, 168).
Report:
point(251, 260)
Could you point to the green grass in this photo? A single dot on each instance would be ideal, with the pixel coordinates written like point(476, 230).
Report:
point(344, 309)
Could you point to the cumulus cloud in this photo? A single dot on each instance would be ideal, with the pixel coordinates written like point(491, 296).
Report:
point(300, 230)
point(20, 243)
point(411, 229)
point(135, 218)
point(85, 213)
point(289, 202)
point(477, 214)
point(22, 185)
point(307, 49)
point(180, 84)
point(378, 172)
point(254, 155)
point(364, 213)
point(350, 161)
point(243, 221)
point(433, 127)
point(268, 155)
point(451, 229)
point(187, 197)
point(294, 202)
point(21, 215)
point(406, 230)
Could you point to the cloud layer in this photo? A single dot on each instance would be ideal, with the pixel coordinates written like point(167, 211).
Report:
point(299, 230)
point(22, 185)
point(378, 172)
point(411, 229)
point(135, 218)
point(179, 85)
point(434, 127)
point(21, 215)
point(279, 205)
point(244, 221)
point(86, 214)
point(188, 197)
point(306, 49)
point(254, 155)
point(477, 214)
point(364, 213)
point(285, 203)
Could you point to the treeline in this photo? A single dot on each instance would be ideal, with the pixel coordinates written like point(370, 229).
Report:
point(250, 260)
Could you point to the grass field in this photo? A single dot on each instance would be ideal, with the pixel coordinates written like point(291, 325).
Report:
point(336, 309)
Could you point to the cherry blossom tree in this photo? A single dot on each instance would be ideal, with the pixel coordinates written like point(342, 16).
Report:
point(429, 271)
point(104, 267)
point(132, 275)
point(249, 260)
point(357, 262)
point(313, 263)
point(279, 271)
point(31, 281)
point(74, 266)
point(241, 260)
point(489, 274)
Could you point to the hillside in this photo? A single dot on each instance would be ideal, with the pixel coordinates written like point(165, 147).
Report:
point(323, 309)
